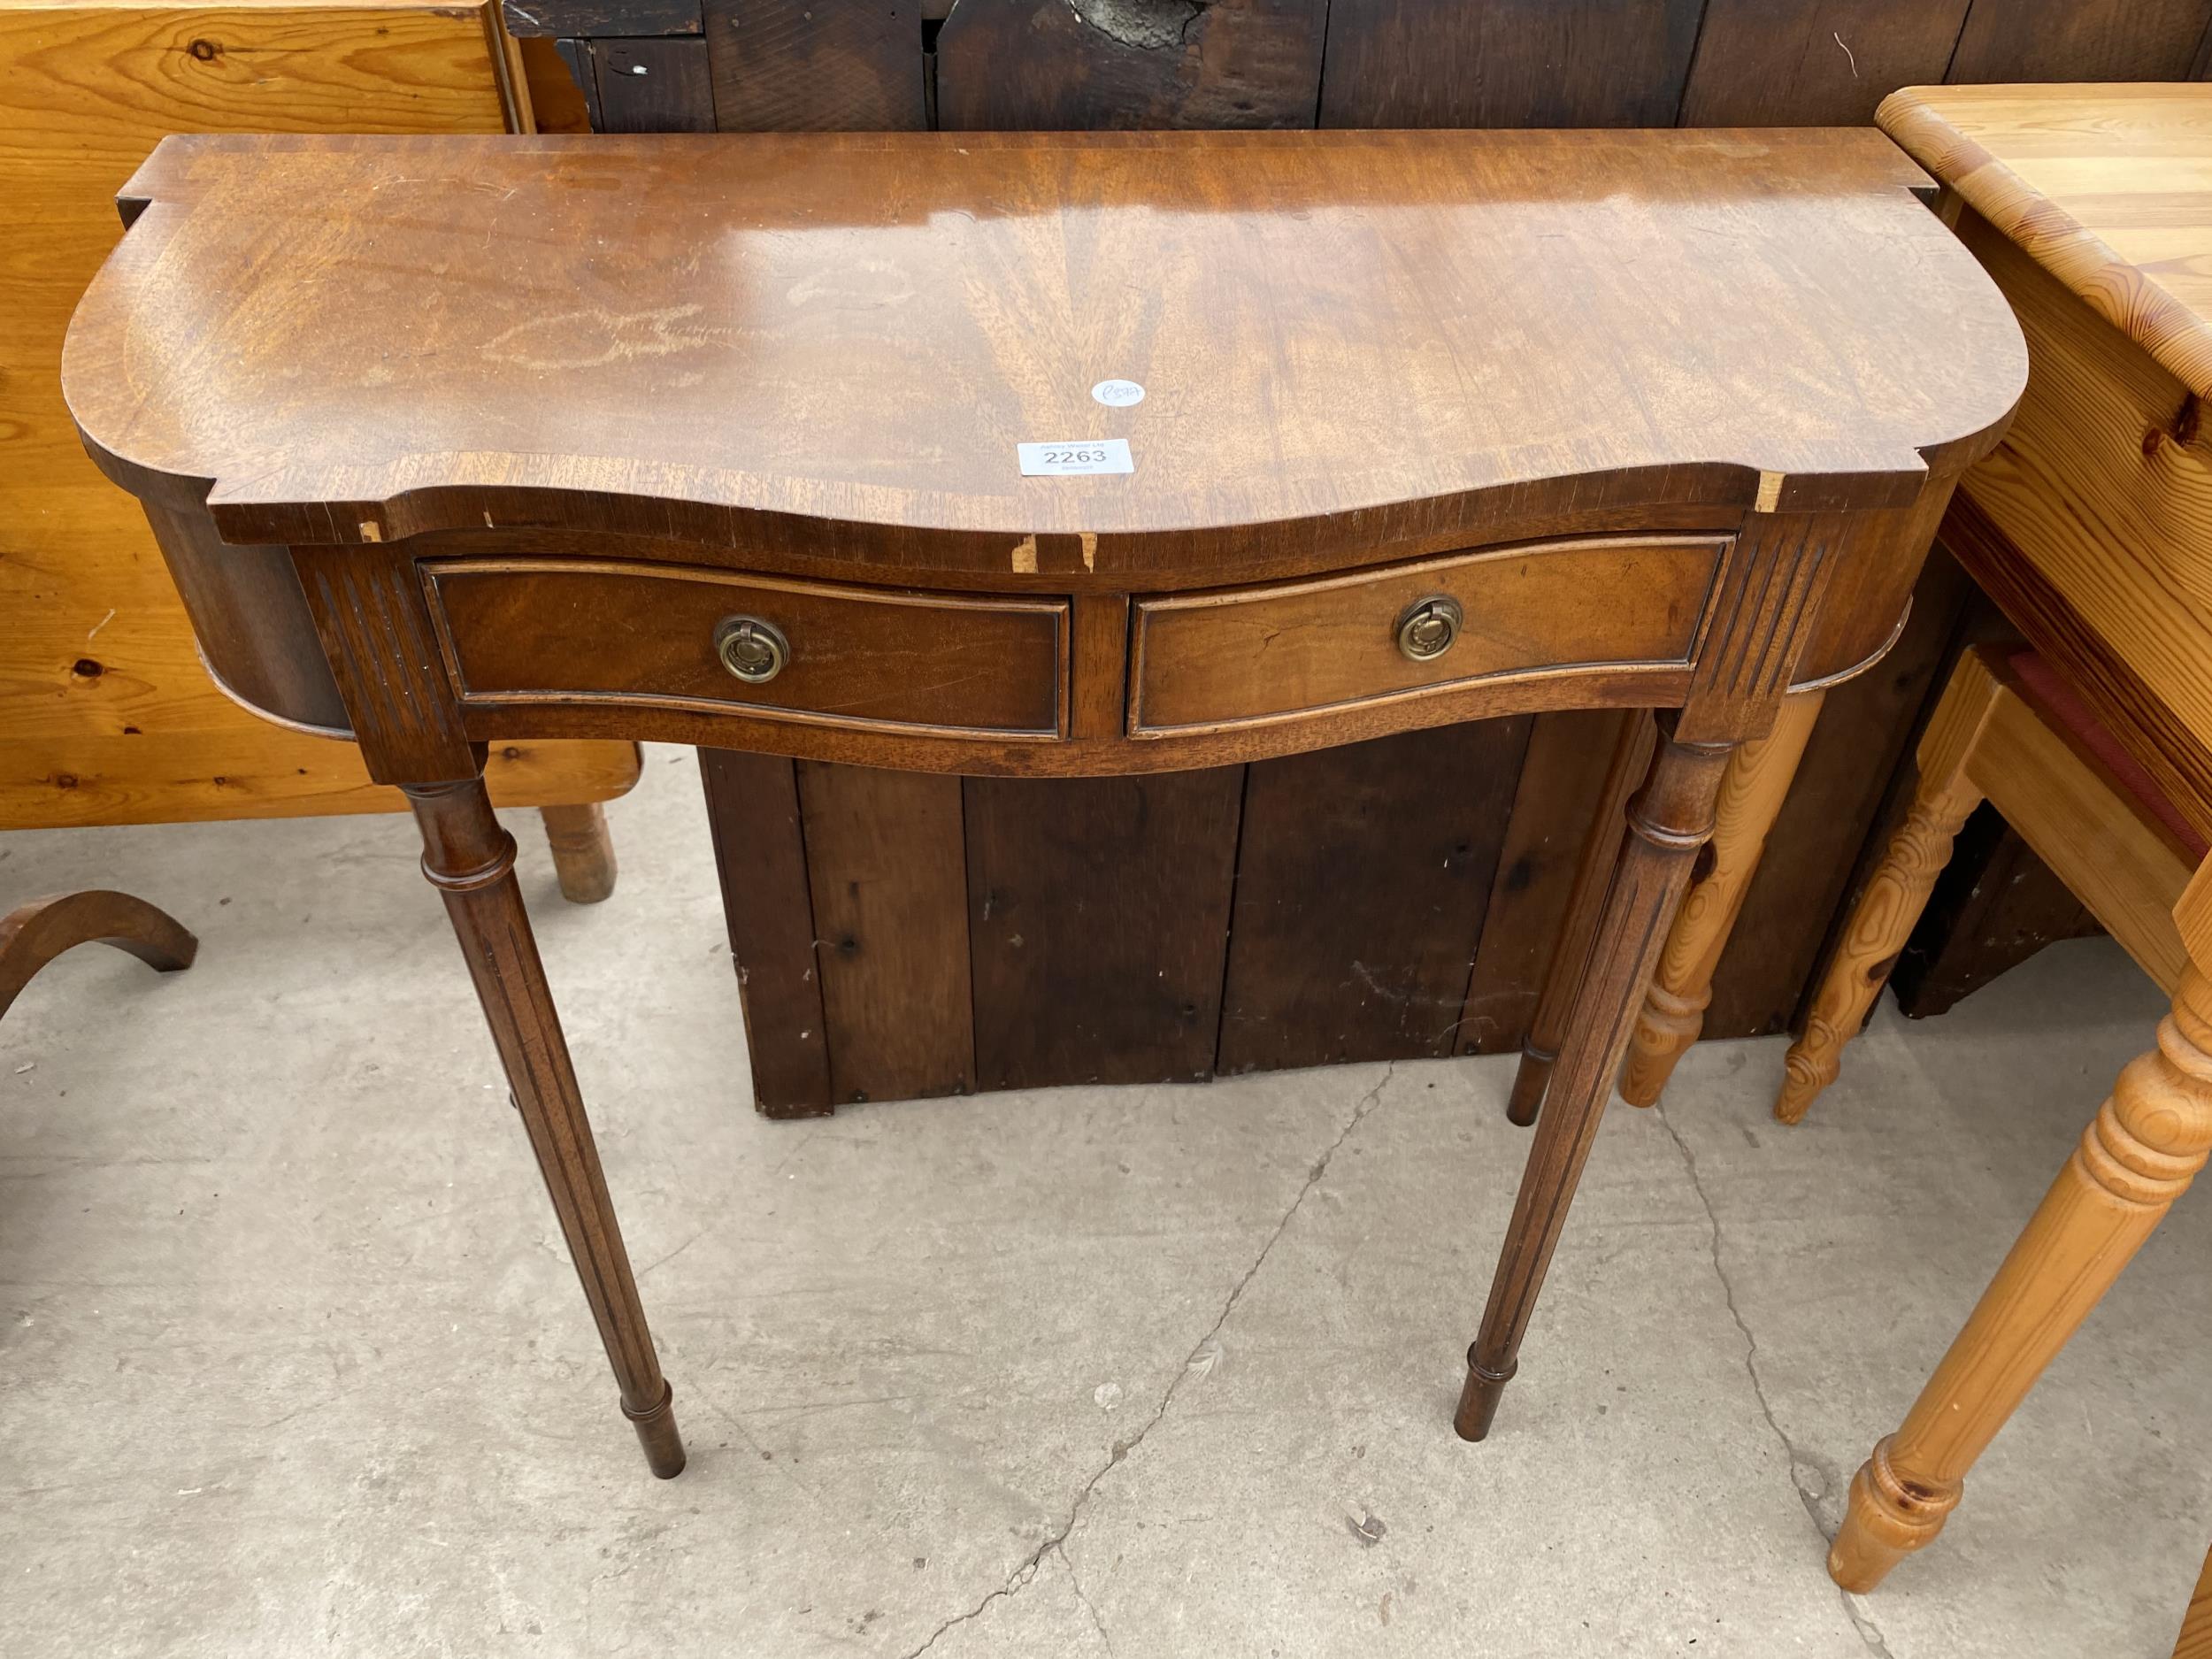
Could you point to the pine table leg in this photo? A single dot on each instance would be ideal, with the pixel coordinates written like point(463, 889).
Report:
point(1751, 796)
point(2146, 1145)
point(583, 852)
point(471, 860)
point(2195, 1641)
point(1881, 917)
point(1668, 822)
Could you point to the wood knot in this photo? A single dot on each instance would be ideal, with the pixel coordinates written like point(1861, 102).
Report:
point(2181, 429)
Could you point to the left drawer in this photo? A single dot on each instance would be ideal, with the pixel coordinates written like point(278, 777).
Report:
point(520, 631)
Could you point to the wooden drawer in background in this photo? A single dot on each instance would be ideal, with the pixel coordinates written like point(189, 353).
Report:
point(548, 631)
point(1247, 656)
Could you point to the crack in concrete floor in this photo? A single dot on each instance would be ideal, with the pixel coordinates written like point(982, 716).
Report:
point(1800, 1459)
point(1056, 1540)
point(1075, 1580)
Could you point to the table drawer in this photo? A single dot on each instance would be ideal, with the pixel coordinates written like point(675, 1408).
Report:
point(1252, 655)
point(561, 631)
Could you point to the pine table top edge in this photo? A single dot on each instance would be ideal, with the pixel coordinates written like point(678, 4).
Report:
point(2103, 185)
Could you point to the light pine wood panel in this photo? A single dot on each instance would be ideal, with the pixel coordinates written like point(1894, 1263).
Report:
point(2196, 1625)
point(2110, 187)
point(2104, 483)
point(105, 713)
point(2119, 861)
point(260, 770)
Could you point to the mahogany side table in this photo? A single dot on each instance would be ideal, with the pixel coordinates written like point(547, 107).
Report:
point(1038, 454)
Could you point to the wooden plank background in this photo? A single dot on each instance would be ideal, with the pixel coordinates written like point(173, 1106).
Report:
point(1393, 898)
point(106, 716)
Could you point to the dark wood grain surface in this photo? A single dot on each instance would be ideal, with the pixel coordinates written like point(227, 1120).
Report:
point(1402, 835)
point(1556, 799)
point(1316, 318)
point(592, 632)
point(650, 85)
point(760, 856)
point(1106, 63)
point(816, 65)
point(2079, 40)
point(608, 19)
point(1506, 63)
point(1814, 61)
point(1098, 912)
point(890, 891)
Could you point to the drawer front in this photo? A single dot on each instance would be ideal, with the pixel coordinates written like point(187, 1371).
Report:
point(569, 631)
point(1256, 655)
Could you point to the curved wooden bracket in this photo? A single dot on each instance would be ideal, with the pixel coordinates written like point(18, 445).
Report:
point(33, 935)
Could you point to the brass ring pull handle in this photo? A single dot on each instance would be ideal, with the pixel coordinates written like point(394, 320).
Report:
point(754, 651)
point(1429, 627)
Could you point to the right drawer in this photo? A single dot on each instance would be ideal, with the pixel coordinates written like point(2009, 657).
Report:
point(1249, 656)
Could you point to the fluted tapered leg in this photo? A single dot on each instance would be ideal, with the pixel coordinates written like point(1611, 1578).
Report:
point(1669, 820)
point(1751, 795)
point(1570, 951)
point(2146, 1145)
point(471, 860)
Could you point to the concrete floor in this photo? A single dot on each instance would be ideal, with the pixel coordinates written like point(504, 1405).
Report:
point(294, 1362)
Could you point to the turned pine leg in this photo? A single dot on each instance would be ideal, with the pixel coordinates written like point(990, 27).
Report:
point(2148, 1142)
point(1882, 919)
point(1570, 953)
point(1751, 796)
point(1881, 922)
point(1668, 822)
point(2195, 1641)
point(583, 852)
point(471, 860)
